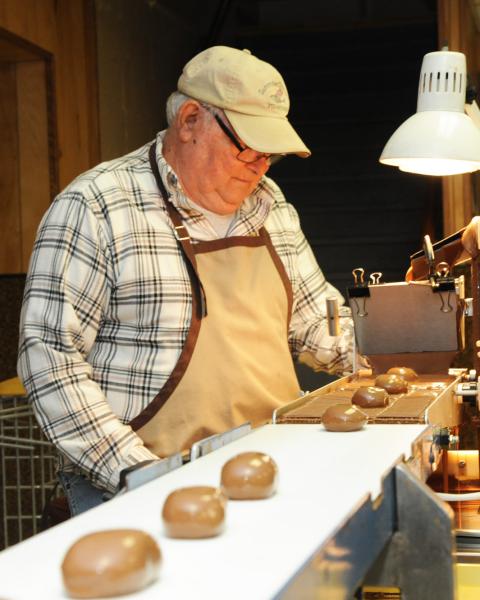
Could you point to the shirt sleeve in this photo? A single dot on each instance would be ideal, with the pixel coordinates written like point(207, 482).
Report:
point(67, 290)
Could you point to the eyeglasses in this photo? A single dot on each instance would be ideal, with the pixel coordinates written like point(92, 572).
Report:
point(245, 154)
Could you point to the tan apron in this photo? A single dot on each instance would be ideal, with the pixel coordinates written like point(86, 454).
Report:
point(236, 365)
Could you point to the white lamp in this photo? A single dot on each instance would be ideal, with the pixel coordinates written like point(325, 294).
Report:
point(440, 139)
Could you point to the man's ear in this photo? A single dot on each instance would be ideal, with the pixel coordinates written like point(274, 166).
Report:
point(187, 119)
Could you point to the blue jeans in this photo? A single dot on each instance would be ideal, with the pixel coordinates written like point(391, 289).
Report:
point(80, 493)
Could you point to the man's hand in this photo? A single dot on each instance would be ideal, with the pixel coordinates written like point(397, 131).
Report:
point(470, 237)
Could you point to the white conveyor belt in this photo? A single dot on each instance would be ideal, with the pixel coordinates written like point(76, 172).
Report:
point(324, 477)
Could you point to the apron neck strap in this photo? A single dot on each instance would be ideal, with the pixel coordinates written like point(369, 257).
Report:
point(181, 234)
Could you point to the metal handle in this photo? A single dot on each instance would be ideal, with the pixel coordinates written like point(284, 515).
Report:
point(428, 249)
point(442, 269)
point(358, 276)
point(332, 316)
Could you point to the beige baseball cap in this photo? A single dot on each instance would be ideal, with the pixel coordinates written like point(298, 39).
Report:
point(250, 91)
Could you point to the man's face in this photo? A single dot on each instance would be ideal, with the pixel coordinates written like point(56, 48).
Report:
point(223, 181)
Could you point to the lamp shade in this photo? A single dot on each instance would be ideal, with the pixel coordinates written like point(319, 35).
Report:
point(440, 139)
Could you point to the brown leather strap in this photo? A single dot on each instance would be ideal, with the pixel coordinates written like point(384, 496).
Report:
point(181, 233)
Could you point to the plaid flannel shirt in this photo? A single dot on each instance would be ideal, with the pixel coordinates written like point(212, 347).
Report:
point(108, 301)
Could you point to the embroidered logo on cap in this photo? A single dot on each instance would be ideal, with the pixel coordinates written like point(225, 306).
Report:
point(274, 91)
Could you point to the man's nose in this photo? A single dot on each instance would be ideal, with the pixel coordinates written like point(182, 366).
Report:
point(260, 165)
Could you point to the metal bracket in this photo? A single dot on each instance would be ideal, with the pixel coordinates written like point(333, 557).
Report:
point(137, 475)
point(214, 442)
point(421, 565)
point(384, 544)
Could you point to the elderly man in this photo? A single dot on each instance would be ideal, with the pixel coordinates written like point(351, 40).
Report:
point(169, 289)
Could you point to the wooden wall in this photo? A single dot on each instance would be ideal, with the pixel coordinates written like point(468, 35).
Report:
point(458, 30)
point(48, 112)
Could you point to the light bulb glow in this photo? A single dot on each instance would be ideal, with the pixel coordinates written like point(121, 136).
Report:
point(433, 166)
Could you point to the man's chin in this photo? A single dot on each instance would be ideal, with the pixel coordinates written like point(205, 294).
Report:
point(241, 188)
point(236, 196)
point(231, 205)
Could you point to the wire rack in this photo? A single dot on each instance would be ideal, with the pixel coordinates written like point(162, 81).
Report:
point(27, 471)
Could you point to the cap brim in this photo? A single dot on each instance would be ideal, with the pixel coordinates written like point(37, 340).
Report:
point(272, 135)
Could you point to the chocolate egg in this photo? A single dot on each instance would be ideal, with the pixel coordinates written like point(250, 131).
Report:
point(370, 397)
point(405, 372)
point(394, 384)
point(343, 417)
point(110, 563)
point(249, 476)
point(194, 512)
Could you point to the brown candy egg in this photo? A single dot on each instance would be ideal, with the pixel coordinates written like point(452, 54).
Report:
point(405, 372)
point(394, 384)
point(370, 397)
point(250, 476)
point(194, 512)
point(110, 563)
point(343, 417)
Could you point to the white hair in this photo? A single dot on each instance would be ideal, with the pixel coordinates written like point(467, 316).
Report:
point(175, 101)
